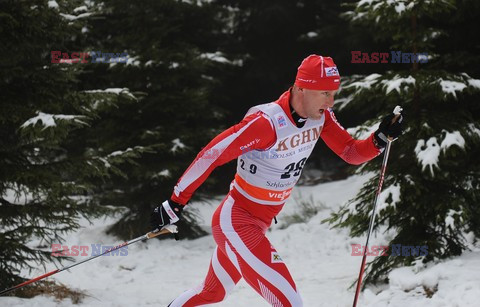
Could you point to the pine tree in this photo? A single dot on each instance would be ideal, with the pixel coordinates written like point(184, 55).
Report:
point(171, 47)
point(431, 191)
point(44, 184)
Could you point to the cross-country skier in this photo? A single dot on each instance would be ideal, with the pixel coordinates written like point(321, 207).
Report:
point(272, 144)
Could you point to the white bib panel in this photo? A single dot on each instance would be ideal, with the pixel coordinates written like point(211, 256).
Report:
point(268, 176)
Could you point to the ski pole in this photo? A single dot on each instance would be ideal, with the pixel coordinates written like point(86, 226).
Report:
point(397, 111)
point(149, 235)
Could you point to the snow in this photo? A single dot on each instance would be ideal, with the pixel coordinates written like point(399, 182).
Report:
point(473, 130)
point(82, 8)
point(452, 138)
point(105, 162)
point(456, 279)
point(379, 6)
point(216, 57)
point(403, 278)
point(177, 144)
point(399, 7)
point(474, 83)
point(53, 4)
point(133, 61)
point(196, 2)
point(163, 173)
point(319, 259)
point(424, 58)
point(73, 17)
point(119, 152)
point(50, 120)
point(16, 193)
point(392, 191)
point(173, 65)
point(450, 220)
point(396, 82)
point(427, 153)
point(367, 82)
point(450, 87)
point(362, 132)
point(399, 84)
point(341, 103)
point(364, 2)
point(237, 62)
point(117, 91)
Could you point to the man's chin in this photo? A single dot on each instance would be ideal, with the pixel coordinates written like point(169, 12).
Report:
point(316, 116)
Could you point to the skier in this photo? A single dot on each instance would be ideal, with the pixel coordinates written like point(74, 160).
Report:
point(272, 144)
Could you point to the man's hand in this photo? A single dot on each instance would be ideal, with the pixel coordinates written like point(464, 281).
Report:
point(167, 213)
point(390, 127)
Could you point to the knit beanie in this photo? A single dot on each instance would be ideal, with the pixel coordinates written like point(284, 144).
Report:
point(318, 73)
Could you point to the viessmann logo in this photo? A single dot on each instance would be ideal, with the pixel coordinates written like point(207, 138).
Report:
point(280, 195)
point(298, 139)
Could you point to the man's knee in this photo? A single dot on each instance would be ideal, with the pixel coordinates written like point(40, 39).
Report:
point(213, 296)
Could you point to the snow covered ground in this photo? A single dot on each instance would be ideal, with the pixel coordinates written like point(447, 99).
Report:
point(319, 258)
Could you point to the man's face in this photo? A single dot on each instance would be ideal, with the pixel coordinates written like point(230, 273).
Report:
point(316, 102)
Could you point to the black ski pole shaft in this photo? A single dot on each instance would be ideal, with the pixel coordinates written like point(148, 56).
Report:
point(149, 235)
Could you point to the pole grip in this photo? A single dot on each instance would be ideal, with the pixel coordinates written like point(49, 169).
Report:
point(164, 230)
point(397, 114)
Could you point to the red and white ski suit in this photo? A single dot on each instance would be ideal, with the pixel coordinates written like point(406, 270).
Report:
point(271, 152)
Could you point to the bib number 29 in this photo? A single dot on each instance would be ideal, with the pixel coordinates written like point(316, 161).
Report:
point(252, 168)
point(295, 168)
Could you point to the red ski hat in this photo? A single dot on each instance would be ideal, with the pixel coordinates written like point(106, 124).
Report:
point(318, 73)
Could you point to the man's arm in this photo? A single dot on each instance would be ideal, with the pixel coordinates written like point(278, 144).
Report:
point(253, 132)
point(341, 142)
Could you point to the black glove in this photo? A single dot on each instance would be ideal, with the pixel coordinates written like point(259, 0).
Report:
point(388, 130)
point(167, 213)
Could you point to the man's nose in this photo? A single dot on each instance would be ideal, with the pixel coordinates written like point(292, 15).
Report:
point(331, 101)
